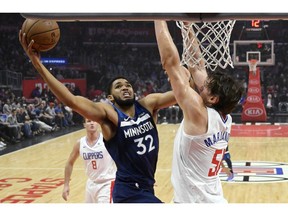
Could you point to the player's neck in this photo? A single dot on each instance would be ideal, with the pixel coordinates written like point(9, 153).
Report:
point(92, 137)
point(128, 110)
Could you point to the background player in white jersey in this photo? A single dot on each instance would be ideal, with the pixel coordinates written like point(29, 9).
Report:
point(203, 134)
point(99, 166)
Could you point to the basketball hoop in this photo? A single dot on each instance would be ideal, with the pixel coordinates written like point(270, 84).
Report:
point(213, 39)
point(253, 65)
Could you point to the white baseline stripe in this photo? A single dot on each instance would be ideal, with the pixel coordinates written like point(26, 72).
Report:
point(35, 168)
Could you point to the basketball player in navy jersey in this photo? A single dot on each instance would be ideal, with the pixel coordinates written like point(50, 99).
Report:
point(204, 132)
point(128, 128)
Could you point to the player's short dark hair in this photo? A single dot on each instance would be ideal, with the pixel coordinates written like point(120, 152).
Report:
point(111, 82)
point(227, 88)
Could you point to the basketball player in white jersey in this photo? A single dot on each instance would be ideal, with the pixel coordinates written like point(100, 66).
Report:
point(99, 166)
point(203, 134)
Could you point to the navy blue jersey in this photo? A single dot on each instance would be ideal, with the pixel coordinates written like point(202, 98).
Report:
point(134, 148)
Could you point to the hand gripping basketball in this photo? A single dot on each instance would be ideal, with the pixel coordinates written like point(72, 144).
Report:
point(45, 33)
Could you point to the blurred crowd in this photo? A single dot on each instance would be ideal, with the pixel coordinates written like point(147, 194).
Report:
point(23, 118)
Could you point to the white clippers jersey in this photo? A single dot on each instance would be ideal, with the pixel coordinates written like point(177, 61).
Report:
point(197, 162)
point(99, 166)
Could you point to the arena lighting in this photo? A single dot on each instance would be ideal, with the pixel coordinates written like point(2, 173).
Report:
point(55, 61)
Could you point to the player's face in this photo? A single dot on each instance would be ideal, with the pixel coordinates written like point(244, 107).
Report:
point(204, 92)
point(123, 93)
point(91, 125)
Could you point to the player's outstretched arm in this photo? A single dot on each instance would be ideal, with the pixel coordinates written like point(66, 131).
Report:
point(69, 169)
point(199, 73)
point(188, 99)
point(79, 104)
point(178, 75)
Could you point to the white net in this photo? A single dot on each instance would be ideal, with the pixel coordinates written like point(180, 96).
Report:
point(213, 39)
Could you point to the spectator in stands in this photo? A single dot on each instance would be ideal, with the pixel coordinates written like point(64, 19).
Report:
point(46, 94)
point(269, 102)
point(14, 126)
point(43, 127)
point(93, 92)
point(60, 117)
point(36, 100)
point(270, 107)
point(50, 109)
point(23, 117)
point(283, 102)
point(173, 113)
point(2, 94)
point(43, 116)
point(17, 103)
point(36, 92)
point(10, 94)
point(68, 112)
point(76, 90)
point(7, 107)
point(4, 130)
point(2, 139)
point(1, 106)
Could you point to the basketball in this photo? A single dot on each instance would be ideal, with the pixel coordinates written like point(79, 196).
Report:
point(45, 33)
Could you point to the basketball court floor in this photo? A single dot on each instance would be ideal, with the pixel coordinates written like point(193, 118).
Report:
point(34, 174)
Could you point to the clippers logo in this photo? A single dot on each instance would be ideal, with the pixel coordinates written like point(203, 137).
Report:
point(253, 99)
point(258, 172)
point(253, 90)
point(254, 111)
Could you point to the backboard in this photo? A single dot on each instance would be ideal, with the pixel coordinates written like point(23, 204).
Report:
point(261, 50)
point(196, 17)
